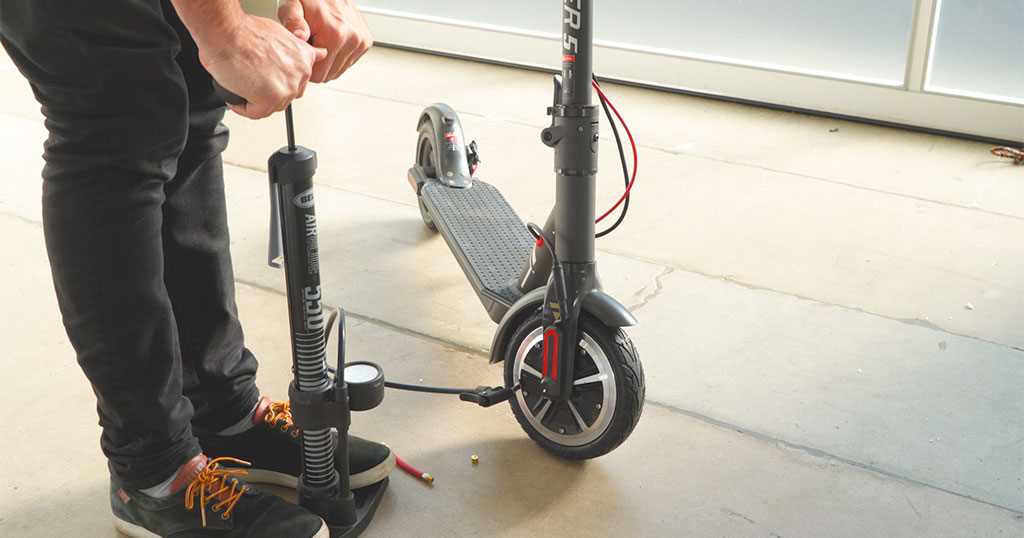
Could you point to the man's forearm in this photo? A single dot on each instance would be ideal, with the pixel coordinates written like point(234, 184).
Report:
point(208, 20)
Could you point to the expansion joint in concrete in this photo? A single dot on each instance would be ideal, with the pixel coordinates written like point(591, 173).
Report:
point(818, 453)
point(384, 324)
point(732, 279)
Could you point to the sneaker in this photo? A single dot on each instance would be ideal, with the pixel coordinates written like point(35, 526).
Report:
point(207, 499)
point(272, 447)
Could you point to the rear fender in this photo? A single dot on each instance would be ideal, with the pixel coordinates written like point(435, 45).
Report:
point(449, 144)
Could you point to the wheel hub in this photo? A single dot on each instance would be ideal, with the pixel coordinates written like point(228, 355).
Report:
point(587, 413)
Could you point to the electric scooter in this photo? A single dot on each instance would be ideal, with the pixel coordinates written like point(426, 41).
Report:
point(319, 405)
point(577, 382)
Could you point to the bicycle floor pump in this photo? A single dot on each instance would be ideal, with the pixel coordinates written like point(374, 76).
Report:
point(318, 403)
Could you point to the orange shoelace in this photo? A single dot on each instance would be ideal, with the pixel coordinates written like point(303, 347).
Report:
point(212, 484)
point(280, 411)
point(1010, 153)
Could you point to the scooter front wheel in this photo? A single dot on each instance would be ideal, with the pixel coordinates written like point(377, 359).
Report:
point(607, 397)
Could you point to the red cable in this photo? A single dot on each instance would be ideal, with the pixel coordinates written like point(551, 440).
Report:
point(632, 142)
point(413, 471)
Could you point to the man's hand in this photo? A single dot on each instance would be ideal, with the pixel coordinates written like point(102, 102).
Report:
point(335, 25)
point(253, 57)
point(263, 63)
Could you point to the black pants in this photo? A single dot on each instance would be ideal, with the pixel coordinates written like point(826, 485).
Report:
point(135, 224)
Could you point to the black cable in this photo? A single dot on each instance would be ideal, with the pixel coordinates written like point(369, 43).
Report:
point(415, 388)
point(339, 314)
point(622, 159)
point(422, 388)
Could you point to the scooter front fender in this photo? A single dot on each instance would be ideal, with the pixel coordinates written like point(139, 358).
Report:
point(597, 303)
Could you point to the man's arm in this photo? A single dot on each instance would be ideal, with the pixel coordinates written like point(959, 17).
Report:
point(207, 18)
point(253, 57)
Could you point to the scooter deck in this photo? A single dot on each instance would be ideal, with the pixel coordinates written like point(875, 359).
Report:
point(487, 237)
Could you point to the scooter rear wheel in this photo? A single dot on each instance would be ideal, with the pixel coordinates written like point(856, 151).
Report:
point(426, 157)
point(608, 392)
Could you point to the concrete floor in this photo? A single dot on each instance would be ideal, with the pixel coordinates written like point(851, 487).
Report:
point(831, 319)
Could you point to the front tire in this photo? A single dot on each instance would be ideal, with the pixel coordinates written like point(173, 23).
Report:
point(608, 392)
